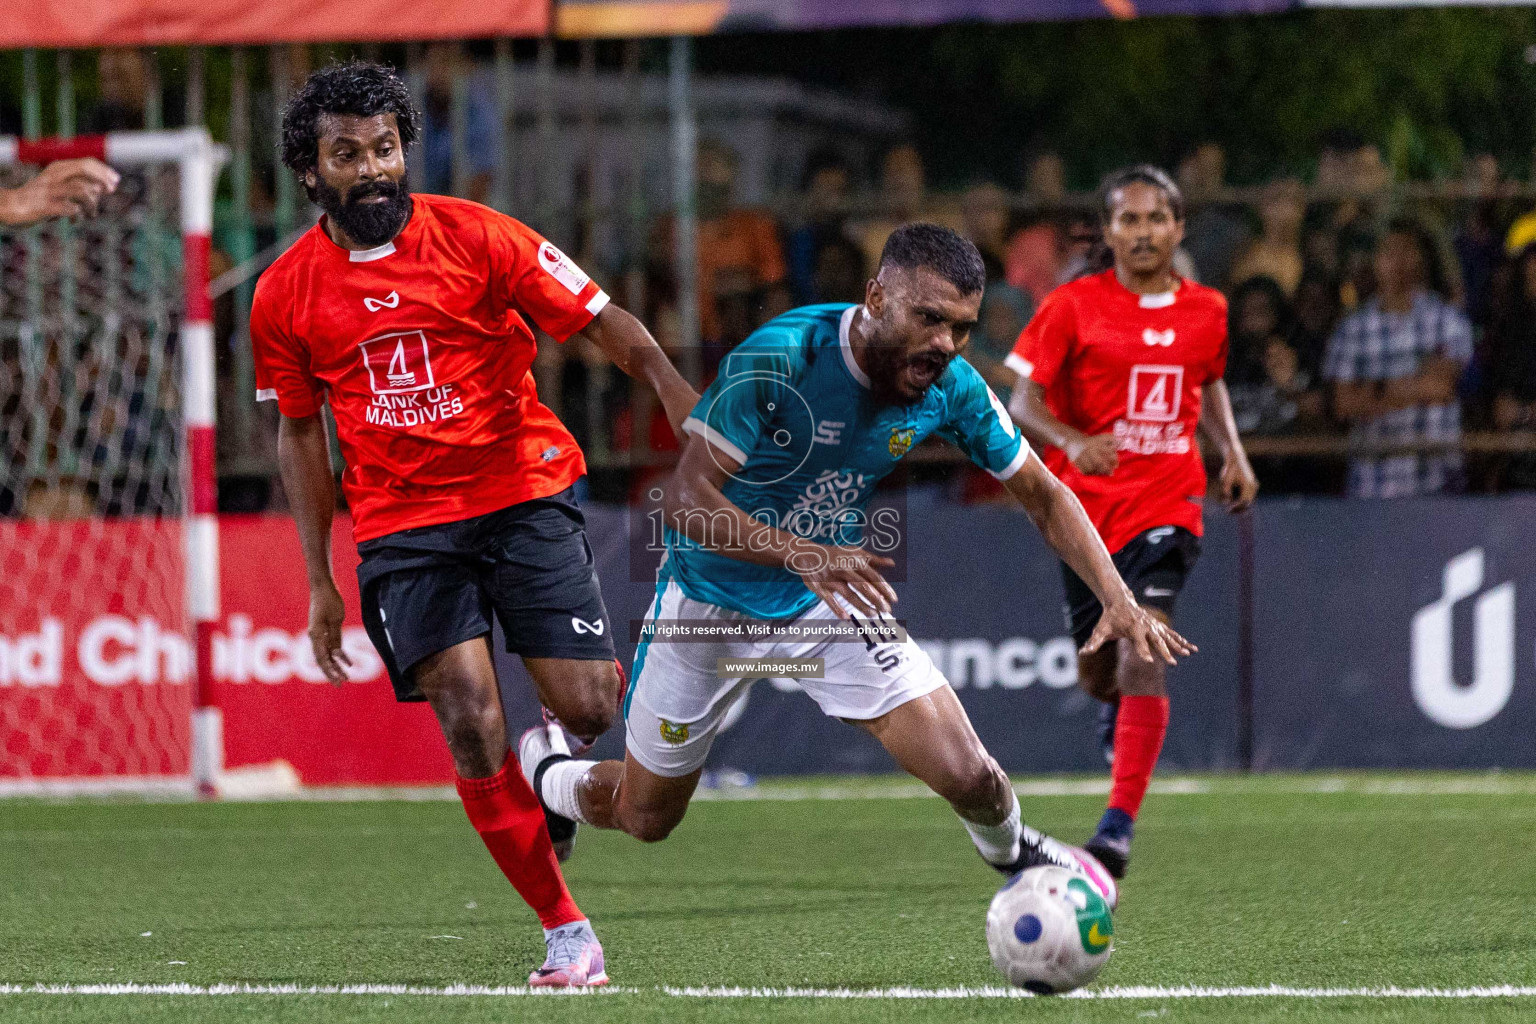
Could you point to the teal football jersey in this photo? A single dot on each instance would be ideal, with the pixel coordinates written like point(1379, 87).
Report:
point(794, 409)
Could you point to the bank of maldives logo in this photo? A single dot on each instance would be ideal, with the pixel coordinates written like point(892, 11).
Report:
point(1436, 690)
point(398, 363)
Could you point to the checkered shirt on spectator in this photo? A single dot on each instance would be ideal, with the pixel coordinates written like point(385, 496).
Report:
point(1372, 345)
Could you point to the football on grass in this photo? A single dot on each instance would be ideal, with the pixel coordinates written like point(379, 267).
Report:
point(1049, 931)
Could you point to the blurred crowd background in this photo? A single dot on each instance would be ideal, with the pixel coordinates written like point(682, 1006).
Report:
point(1368, 209)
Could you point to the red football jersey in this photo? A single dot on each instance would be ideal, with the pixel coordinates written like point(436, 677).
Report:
point(423, 351)
point(1114, 362)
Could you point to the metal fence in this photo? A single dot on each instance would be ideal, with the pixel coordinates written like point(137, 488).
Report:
point(595, 149)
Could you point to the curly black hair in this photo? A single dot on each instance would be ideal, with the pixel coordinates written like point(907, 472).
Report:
point(939, 249)
point(354, 87)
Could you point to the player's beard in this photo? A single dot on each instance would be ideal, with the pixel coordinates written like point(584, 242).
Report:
point(891, 367)
point(370, 224)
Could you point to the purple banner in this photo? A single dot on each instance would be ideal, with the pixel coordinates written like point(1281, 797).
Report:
point(588, 18)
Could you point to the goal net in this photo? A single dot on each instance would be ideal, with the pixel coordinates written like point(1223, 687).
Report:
point(108, 549)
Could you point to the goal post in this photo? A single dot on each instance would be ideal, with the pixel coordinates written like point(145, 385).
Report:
point(103, 464)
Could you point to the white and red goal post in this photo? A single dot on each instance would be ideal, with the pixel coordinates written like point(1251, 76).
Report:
point(109, 558)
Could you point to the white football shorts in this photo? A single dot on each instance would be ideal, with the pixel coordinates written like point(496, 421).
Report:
point(677, 700)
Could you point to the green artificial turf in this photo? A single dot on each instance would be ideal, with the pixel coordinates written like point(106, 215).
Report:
point(1239, 883)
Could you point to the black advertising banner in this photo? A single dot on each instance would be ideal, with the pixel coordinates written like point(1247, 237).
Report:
point(1393, 634)
point(983, 595)
point(1386, 635)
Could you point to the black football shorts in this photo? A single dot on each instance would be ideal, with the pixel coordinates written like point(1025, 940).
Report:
point(1154, 564)
point(427, 589)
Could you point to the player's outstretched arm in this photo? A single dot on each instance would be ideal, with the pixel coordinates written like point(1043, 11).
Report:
point(696, 507)
point(1060, 518)
point(625, 341)
point(65, 188)
point(304, 460)
point(1239, 485)
point(1096, 455)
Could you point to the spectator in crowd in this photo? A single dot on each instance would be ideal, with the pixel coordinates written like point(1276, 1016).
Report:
point(1276, 253)
point(984, 216)
point(1476, 240)
point(444, 64)
point(1342, 227)
point(743, 280)
point(1036, 252)
point(1081, 243)
point(903, 196)
point(1214, 233)
point(1272, 383)
point(122, 86)
point(1315, 313)
point(1511, 347)
point(840, 274)
point(1394, 365)
point(825, 264)
point(1005, 310)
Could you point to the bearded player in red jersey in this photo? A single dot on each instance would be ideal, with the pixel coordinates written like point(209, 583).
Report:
point(1116, 372)
point(409, 316)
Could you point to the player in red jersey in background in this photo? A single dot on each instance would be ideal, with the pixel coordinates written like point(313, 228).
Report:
point(408, 315)
point(1117, 370)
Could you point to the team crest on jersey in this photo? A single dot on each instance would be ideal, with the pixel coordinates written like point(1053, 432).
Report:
point(398, 363)
point(901, 441)
point(673, 733)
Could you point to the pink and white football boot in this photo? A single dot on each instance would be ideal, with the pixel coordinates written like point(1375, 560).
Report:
point(574, 959)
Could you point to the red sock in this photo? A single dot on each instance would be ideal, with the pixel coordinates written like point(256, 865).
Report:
point(1139, 733)
point(507, 815)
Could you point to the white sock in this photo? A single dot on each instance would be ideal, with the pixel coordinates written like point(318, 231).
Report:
point(559, 785)
point(999, 844)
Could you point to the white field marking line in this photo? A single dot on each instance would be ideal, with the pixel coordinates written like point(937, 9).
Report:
point(721, 992)
point(171, 790)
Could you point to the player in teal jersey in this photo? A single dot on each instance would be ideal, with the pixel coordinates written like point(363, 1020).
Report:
point(767, 521)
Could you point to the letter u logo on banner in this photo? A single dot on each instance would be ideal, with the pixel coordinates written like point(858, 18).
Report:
point(1435, 688)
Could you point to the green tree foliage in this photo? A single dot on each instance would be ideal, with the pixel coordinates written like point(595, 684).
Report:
point(1427, 85)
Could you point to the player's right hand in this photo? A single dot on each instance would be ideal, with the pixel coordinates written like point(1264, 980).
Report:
point(1098, 455)
point(848, 579)
point(1152, 638)
point(326, 613)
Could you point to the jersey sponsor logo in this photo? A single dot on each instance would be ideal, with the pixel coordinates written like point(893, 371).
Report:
point(398, 363)
point(581, 625)
point(673, 732)
point(901, 441)
point(1155, 393)
point(558, 266)
point(829, 432)
point(389, 301)
point(548, 454)
point(1151, 438)
point(827, 506)
point(1154, 338)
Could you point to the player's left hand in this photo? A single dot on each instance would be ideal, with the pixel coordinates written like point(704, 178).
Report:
point(65, 188)
point(1153, 638)
point(1239, 484)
